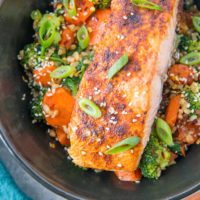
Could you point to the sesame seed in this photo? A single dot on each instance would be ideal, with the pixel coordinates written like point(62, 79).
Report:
point(100, 153)
point(119, 165)
point(138, 115)
point(83, 153)
point(124, 112)
point(125, 17)
point(107, 129)
point(134, 120)
point(128, 74)
point(98, 139)
point(108, 147)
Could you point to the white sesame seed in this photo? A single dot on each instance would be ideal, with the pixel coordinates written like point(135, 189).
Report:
point(125, 17)
point(107, 129)
point(83, 153)
point(138, 115)
point(119, 165)
point(134, 120)
point(98, 139)
point(100, 153)
point(108, 147)
point(128, 74)
point(124, 112)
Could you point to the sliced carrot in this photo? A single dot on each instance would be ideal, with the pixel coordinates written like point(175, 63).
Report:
point(62, 136)
point(129, 176)
point(181, 74)
point(84, 9)
point(172, 110)
point(42, 75)
point(68, 38)
point(58, 106)
point(97, 24)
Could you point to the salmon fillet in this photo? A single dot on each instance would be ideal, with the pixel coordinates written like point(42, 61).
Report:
point(130, 100)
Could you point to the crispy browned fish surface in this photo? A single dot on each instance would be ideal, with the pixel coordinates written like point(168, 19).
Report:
point(130, 100)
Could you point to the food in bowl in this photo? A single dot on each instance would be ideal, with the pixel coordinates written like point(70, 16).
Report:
point(96, 72)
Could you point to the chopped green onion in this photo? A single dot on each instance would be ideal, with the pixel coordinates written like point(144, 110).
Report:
point(146, 4)
point(194, 45)
point(36, 15)
point(63, 72)
point(196, 23)
point(83, 37)
point(124, 145)
point(70, 7)
point(192, 58)
point(90, 108)
point(47, 33)
point(117, 66)
point(164, 132)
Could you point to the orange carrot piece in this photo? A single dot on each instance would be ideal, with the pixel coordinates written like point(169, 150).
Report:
point(42, 75)
point(62, 136)
point(172, 110)
point(129, 176)
point(97, 24)
point(68, 38)
point(84, 9)
point(58, 106)
point(181, 74)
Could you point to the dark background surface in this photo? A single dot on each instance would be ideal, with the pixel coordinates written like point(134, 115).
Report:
point(29, 143)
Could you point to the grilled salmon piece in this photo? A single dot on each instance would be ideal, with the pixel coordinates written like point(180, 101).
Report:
point(130, 100)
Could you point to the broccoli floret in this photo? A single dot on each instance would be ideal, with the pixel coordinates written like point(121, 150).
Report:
point(72, 84)
point(27, 56)
point(191, 94)
point(36, 104)
point(155, 158)
point(102, 4)
point(183, 42)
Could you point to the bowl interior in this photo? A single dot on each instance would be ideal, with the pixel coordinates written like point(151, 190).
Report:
point(29, 143)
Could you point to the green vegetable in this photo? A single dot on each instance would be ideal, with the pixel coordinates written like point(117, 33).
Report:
point(176, 148)
point(146, 4)
point(123, 145)
point(156, 157)
point(192, 58)
point(191, 94)
point(194, 45)
point(117, 66)
point(164, 132)
point(183, 42)
point(72, 84)
point(196, 23)
point(47, 33)
point(36, 108)
point(70, 7)
point(102, 4)
point(89, 108)
point(63, 72)
point(27, 56)
point(36, 15)
point(83, 37)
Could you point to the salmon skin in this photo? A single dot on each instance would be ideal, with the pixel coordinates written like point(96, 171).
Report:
point(130, 100)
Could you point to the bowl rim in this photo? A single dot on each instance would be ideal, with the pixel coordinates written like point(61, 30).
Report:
point(42, 179)
point(70, 194)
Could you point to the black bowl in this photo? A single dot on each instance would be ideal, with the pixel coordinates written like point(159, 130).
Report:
point(29, 143)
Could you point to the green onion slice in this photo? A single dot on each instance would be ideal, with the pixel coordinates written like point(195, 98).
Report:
point(83, 37)
point(123, 145)
point(47, 33)
point(70, 7)
point(192, 58)
point(164, 132)
point(63, 72)
point(146, 4)
point(117, 66)
point(36, 15)
point(89, 108)
point(196, 23)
